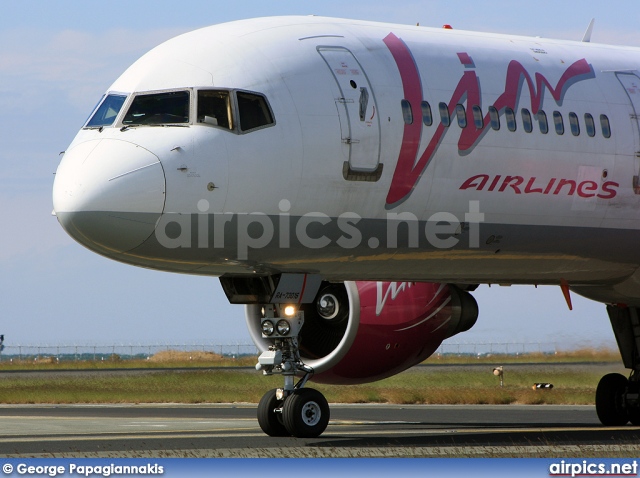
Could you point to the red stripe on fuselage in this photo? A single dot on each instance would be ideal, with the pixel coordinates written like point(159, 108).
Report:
point(412, 88)
point(408, 171)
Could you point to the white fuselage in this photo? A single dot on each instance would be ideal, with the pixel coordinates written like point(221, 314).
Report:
point(346, 174)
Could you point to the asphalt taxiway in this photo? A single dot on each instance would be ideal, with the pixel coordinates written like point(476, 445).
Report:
point(231, 430)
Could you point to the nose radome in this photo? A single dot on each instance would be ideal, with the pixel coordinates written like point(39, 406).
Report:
point(108, 194)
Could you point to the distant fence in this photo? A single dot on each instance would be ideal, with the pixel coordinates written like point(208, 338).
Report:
point(133, 351)
point(123, 352)
point(496, 348)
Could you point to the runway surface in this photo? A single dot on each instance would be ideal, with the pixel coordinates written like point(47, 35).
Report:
point(354, 431)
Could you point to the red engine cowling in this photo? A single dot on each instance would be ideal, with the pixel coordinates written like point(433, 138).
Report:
point(357, 332)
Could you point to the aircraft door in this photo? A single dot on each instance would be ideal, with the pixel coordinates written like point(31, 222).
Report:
point(631, 84)
point(359, 123)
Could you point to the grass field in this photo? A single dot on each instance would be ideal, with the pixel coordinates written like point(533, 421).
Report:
point(164, 359)
point(174, 359)
point(432, 385)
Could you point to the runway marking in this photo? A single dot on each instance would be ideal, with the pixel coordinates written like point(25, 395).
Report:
point(435, 428)
point(108, 436)
point(256, 432)
point(145, 425)
point(110, 419)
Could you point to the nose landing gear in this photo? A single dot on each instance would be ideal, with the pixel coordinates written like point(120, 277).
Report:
point(292, 410)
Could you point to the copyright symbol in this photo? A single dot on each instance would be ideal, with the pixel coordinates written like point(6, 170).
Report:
point(7, 468)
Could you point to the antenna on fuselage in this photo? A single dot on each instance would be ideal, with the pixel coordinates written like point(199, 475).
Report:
point(587, 35)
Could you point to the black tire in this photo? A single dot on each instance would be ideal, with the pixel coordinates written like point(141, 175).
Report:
point(306, 413)
point(270, 421)
point(634, 416)
point(633, 409)
point(609, 400)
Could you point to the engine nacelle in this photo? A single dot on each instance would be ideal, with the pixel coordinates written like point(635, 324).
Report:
point(357, 332)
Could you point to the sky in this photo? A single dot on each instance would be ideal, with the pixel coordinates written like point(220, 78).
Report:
point(58, 58)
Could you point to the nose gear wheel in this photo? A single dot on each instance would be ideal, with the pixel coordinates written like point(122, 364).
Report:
point(268, 417)
point(306, 413)
point(292, 410)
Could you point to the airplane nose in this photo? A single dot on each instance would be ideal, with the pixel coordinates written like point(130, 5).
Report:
point(108, 194)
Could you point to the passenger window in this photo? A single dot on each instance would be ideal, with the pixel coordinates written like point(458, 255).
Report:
point(590, 125)
point(427, 116)
point(527, 122)
point(461, 114)
point(158, 108)
point(558, 122)
point(407, 114)
point(444, 114)
point(511, 119)
point(214, 108)
point(477, 117)
point(606, 127)
point(574, 124)
point(542, 122)
point(494, 118)
point(253, 111)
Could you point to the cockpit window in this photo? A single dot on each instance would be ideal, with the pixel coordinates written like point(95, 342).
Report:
point(214, 108)
point(106, 113)
point(253, 110)
point(158, 108)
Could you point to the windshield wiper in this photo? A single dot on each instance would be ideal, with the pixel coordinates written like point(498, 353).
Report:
point(157, 125)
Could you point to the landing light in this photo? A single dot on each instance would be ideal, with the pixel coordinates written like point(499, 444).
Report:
point(283, 327)
point(267, 328)
point(289, 311)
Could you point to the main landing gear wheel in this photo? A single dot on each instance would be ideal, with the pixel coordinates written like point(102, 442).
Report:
point(610, 398)
point(633, 407)
point(305, 413)
point(634, 416)
point(270, 421)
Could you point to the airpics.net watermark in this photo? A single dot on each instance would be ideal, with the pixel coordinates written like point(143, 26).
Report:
point(316, 230)
point(591, 468)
